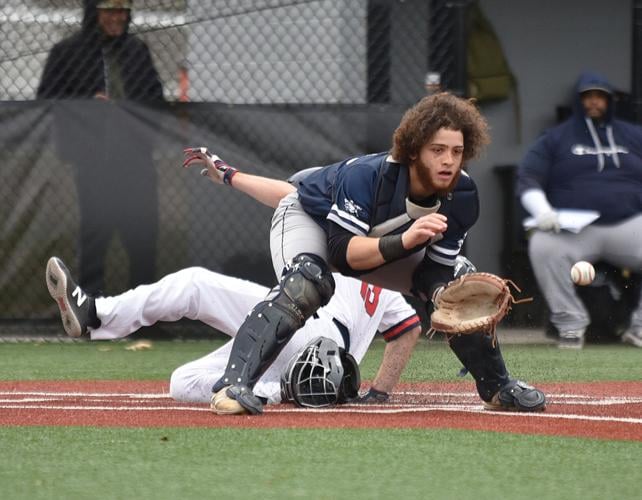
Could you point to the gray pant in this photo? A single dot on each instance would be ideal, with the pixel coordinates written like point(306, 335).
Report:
point(294, 231)
point(553, 255)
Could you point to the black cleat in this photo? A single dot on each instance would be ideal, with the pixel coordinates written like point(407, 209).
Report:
point(75, 305)
point(517, 396)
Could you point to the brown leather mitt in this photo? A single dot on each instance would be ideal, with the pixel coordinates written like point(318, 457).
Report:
point(472, 303)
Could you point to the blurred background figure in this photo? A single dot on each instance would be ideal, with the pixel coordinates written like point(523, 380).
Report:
point(432, 83)
point(111, 153)
point(592, 162)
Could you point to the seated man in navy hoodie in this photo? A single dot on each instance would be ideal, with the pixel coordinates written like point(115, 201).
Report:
point(592, 161)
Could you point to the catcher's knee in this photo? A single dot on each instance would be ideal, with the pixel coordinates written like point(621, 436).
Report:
point(307, 284)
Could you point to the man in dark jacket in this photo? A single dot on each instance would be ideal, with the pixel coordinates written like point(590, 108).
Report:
point(590, 162)
point(102, 60)
point(98, 72)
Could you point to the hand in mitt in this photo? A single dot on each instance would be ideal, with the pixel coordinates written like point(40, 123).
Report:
point(472, 303)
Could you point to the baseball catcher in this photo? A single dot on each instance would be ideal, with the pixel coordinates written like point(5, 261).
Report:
point(395, 225)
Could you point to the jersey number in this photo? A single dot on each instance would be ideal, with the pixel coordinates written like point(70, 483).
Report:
point(370, 295)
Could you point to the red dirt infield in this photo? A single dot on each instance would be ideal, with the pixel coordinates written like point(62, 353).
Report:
point(604, 410)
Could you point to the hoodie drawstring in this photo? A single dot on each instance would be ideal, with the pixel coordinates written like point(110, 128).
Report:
point(612, 145)
point(596, 143)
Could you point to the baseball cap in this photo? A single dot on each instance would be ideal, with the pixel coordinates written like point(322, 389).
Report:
point(114, 4)
point(594, 86)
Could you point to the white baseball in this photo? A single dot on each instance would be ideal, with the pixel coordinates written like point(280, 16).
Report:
point(582, 273)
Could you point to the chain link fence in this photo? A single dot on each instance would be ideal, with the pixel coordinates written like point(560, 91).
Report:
point(99, 97)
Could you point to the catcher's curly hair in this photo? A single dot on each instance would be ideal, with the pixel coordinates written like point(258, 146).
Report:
point(444, 110)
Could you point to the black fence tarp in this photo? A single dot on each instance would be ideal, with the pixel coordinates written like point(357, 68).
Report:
point(100, 184)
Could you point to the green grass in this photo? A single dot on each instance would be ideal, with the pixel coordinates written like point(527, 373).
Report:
point(182, 463)
point(431, 361)
point(76, 463)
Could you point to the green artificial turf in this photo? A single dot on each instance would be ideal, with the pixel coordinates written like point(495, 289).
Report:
point(182, 463)
point(105, 463)
point(430, 361)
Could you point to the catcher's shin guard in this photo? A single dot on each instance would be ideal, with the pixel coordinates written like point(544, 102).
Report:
point(483, 360)
point(306, 286)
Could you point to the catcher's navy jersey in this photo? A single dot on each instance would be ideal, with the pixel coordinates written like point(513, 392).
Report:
point(368, 196)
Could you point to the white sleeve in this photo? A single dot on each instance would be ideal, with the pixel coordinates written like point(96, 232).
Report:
point(535, 202)
point(399, 316)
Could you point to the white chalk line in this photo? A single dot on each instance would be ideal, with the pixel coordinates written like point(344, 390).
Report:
point(346, 409)
point(34, 400)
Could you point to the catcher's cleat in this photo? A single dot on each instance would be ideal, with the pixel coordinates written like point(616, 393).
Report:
point(77, 309)
point(517, 396)
point(236, 400)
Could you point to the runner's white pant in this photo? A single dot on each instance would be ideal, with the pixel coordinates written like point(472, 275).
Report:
point(220, 301)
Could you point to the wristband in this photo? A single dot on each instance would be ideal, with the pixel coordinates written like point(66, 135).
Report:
point(391, 248)
point(227, 176)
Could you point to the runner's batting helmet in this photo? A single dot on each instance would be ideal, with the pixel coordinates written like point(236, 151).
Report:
point(320, 374)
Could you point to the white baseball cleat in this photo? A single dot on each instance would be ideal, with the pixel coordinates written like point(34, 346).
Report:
point(633, 336)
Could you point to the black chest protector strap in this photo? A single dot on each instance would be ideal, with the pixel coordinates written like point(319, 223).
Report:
point(306, 286)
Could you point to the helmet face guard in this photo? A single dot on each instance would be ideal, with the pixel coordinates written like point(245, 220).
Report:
point(320, 374)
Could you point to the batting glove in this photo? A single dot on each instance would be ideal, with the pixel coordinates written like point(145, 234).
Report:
point(548, 221)
point(215, 168)
point(373, 396)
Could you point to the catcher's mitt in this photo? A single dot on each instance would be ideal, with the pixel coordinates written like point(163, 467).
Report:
point(472, 303)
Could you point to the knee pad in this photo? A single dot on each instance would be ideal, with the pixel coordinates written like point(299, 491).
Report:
point(306, 286)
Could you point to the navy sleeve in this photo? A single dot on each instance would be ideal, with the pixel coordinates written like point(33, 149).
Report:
point(338, 239)
point(429, 276)
point(533, 169)
point(353, 196)
point(462, 213)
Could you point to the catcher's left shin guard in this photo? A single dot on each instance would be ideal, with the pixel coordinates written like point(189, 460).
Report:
point(483, 360)
point(305, 287)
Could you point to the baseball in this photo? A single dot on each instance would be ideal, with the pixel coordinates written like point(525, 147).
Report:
point(582, 273)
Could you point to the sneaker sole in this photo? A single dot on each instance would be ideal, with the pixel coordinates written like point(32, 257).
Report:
point(497, 407)
point(57, 286)
point(577, 345)
point(631, 340)
point(224, 405)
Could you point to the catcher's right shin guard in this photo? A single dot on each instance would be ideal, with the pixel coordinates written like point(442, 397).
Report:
point(483, 360)
point(306, 286)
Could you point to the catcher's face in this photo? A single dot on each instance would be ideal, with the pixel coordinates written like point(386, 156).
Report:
point(437, 167)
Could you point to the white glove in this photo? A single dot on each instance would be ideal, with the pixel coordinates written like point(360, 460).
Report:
point(536, 203)
point(548, 221)
point(215, 168)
